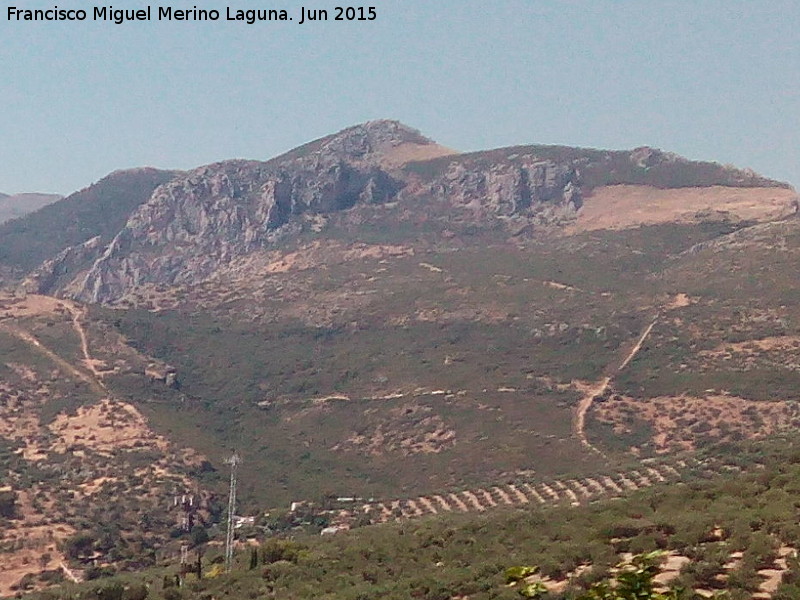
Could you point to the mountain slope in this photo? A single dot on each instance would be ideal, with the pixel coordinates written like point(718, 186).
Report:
point(227, 210)
point(203, 220)
point(360, 324)
point(640, 166)
point(99, 210)
point(18, 205)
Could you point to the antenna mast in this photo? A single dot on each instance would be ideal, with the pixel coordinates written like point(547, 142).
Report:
point(233, 461)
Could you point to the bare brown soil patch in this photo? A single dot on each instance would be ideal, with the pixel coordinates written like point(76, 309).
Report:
point(624, 206)
point(38, 551)
point(19, 421)
point(408, 430)
point(31, 544)
point(103, 428)
point(671, 568)
point(678, 423)
point(754, 347)
point(94, 486)
point(16, 306)
point(679, 301)
point(409, 152)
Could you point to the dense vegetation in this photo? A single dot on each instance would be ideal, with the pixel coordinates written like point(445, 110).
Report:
point(262, 364)
point(754, 512)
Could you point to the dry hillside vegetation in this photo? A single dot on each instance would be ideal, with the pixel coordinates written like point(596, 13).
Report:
point(373, 316)
point(250, 284)
point(31, 549)
point(408, 429)
point(734, 532)
point(682, 422)
point(533, 330)
point(104, 428)
point(69, 445)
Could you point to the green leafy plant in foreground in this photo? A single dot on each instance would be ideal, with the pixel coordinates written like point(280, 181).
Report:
point(634, 580)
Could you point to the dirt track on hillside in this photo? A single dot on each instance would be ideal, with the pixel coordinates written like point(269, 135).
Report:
point(598, 389)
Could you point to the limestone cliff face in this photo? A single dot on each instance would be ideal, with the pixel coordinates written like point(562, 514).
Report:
point(201, 221)
point(194, 224)
point(58, 272)
point(511, 188)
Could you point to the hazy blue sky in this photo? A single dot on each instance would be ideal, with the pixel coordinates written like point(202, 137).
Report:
point(714, 79)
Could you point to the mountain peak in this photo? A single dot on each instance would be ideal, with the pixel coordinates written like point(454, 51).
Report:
point(385, 143)
point(379, 133)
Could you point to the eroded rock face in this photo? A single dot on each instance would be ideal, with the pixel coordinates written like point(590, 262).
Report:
point(192, 225)
point(61, 269)
point(202, 221)
point(510, 188)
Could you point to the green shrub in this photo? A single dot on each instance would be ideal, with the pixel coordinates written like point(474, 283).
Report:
point(274, 550)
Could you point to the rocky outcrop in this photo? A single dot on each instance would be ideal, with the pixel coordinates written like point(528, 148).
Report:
point(192, 225)
point(163, 373)
point(61, 269)
point(510, 188)
point(199, 222)
point(101, 209)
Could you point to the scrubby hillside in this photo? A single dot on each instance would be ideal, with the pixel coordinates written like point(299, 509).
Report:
point(733, 534)
point(99, 210)
point(373, 316)
point(77, 462)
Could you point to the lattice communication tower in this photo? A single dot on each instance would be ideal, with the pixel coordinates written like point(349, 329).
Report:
point(233, 461)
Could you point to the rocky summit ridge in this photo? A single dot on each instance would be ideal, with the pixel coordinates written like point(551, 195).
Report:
point(201, 220)
point(219, 212)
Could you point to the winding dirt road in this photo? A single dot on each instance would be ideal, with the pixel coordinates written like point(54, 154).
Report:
point(68, 572)
point(30, 339)
point(599, 388)
point(90, 362)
